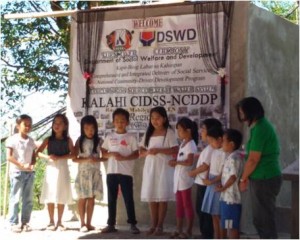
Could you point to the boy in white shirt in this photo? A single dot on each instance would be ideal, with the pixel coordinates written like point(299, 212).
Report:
point(230, 199)
point(20, 153)
point(121, 149)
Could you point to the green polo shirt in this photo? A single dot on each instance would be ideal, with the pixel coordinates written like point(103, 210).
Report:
point(264, 139)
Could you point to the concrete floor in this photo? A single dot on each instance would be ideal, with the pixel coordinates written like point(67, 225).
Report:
point(39, 221)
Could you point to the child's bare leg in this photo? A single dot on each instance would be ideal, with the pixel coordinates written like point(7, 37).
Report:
point(82, 210)
point(190, 222)
point(179, 223)
point(234, 233)
point(154, 214)
point(50, 207)
point(162, 211)
point(60, 211)
point(89, 213)
point(216, 224)
point(223, 233)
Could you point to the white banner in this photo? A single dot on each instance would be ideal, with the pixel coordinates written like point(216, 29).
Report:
point(143, 63)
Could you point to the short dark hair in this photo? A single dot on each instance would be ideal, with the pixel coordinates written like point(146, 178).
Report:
point(215, 132)
point(252, 109)
point(234, 136)
point(23, 117)
point(211, 122)
point(121, 111)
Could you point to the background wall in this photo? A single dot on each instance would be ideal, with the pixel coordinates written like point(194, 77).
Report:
point(273, 77)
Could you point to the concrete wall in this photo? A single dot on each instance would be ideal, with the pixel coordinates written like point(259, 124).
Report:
point(273, 77)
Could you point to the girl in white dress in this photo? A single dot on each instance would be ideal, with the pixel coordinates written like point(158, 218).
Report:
point(88, 183)
point(57, 186)
point(158, 146)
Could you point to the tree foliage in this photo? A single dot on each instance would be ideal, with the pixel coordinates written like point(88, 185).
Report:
point(285, 9)
point(35, 51)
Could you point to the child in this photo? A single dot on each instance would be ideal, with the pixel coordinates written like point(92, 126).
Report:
point(230, 200)
point(88, 183)
point(121, 149)
point(211, 201)
point(158, 145)
point(57, 186)
point(20, 153)
point(187, 132)
point(200, 173)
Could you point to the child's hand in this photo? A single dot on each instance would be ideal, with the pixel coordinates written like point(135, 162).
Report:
point(27, 167)
point(87, 159)
point(219, 188)
point(192, 173)
point(143, 153)
point(118, 156)
point(94, 159)
point(172, 163)
point(207, 182)
point(52, 158)
point(153, 151)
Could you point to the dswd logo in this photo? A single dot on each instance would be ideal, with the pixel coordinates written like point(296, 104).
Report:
point(119, 40)
point(147, 38)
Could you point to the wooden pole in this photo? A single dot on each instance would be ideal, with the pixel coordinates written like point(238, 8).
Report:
point(6, 178)
point(39, 14)
point(5, 189)
point(69, 12)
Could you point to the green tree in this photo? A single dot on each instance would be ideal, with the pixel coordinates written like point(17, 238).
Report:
point(285, 9)
point(35, 51)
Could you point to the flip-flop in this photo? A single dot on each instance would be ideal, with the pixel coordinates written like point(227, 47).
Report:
point(51, 227)
point(83, 229)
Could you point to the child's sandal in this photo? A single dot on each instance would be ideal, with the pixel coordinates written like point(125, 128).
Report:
point(150, 231)
point(51, 227)
point(159, 231)
point(185, 236)
point(174, 235)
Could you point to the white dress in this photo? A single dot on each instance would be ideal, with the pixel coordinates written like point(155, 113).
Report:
point(157, 184)
point(57, 184)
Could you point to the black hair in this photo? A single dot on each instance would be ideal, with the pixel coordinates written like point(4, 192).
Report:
point(121, 111)
point(187, 123)
point(23, 117)
point(211, 122)
point(215, 132)
point(252, 109)
point(90, 120)
point(162, 112)
point(66, 122)
point(234, 136)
